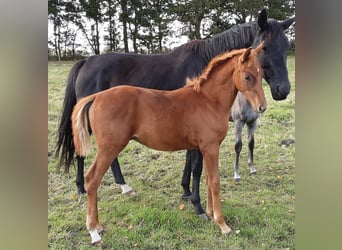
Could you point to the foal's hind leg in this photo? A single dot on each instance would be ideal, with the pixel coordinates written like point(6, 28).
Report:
point(94, 176)
point(250, 130)
point(238, 146)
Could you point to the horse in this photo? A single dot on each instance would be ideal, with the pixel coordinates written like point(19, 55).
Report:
point(168, 72)
point(195, 116)
point(242, 114)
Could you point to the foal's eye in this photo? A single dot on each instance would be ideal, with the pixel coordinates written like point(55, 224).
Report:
point(247, 77)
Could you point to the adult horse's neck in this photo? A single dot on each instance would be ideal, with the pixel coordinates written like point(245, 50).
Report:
point(238, 37)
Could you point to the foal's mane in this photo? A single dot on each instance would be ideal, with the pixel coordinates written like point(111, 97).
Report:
point(197, 82)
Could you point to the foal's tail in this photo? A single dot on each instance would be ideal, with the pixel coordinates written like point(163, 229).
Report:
point(80, 126)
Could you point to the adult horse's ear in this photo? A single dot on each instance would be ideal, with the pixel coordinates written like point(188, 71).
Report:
point(245, 55)
point(262, 19)
point(286, 23)
point(260, 47)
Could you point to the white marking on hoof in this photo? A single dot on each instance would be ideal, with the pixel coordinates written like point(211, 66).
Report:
point(236, 176)
point(95, 237)
point(127, 189)
point(227, 231)
point(252, 169)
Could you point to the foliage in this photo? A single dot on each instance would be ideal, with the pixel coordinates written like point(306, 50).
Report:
point(147, 24)
point(260, 209)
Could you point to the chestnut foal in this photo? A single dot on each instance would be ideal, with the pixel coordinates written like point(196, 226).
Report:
point(195, 116)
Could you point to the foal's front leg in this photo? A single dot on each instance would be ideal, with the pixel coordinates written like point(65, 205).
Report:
point(211, 155)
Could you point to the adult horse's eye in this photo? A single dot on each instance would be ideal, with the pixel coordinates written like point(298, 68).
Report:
point(247, 77)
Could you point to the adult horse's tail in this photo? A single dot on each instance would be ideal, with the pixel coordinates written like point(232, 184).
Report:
point(65, 148)
point(80, 126)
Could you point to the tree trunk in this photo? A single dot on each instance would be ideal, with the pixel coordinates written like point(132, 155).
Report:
point(124, 16)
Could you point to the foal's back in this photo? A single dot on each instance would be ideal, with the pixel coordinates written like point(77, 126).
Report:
point(144, 115)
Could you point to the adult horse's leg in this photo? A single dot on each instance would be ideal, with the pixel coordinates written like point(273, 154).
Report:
point(186, 176)
point(197, 167)
point(80, 175)
point(238, 146)
point(119, 179)
point(250, 131)
point(211, 155)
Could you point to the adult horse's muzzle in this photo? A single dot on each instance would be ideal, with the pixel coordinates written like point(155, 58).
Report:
point(280, 90)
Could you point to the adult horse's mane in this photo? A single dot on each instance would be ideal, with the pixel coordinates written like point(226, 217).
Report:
point(197, 82)
point(238, 36)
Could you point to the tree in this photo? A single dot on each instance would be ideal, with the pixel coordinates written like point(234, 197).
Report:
point(93, 12)
point(124, 19)
point(154, 20)
point(147, 23)
point(54, 14)
point(111, 8)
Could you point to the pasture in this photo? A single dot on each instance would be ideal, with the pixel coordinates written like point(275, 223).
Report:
point(260, 209)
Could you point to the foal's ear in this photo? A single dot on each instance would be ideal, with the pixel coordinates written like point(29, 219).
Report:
point(259, 48)
point(245, 55)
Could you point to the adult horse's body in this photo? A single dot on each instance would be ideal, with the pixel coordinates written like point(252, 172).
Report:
point(168, 72)
point(242, 114)
point(195, 117)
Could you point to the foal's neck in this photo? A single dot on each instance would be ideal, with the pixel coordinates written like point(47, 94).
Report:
point(220, 88)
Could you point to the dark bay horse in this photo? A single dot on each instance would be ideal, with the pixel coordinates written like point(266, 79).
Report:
point(168, 72)
point(242, 114)
point(194, 116)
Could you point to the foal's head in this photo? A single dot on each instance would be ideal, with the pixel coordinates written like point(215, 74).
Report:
point(248, 77)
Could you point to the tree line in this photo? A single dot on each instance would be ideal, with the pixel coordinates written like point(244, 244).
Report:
point(145, 26)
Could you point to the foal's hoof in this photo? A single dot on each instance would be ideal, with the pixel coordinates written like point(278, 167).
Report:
point(237, 179)
point(95, 236)
point(81, 191)
point(227, 232)
point(204, 216)
point(253, 173)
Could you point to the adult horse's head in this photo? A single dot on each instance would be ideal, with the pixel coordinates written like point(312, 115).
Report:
point(274, 55)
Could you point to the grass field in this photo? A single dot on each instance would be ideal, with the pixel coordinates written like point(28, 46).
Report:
point(260, 209)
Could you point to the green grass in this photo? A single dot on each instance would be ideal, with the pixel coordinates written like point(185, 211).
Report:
point(260, 208)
